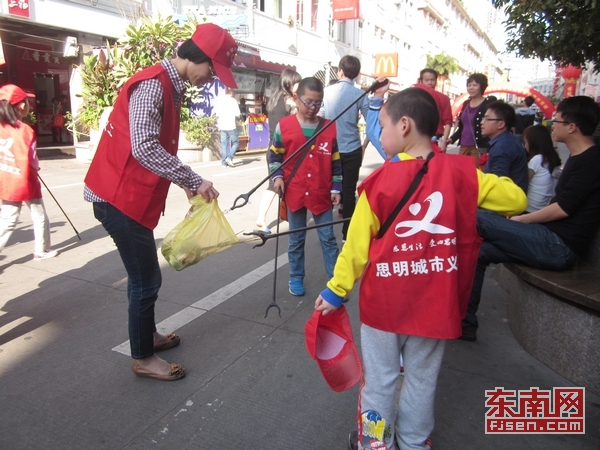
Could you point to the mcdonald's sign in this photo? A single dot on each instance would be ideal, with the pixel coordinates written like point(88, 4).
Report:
point(386, 65)
point(345, 9)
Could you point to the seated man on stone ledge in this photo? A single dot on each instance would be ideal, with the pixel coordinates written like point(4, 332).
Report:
point(553, 237)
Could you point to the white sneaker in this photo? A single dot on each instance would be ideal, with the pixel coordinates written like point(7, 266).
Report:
point(229, 162)
point(45, 255)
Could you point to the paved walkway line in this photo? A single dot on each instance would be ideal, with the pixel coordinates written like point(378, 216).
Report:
point(192, 312)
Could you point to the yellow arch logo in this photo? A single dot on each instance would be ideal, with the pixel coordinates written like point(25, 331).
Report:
point(386, 65)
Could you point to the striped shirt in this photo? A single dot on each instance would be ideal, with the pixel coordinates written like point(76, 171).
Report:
point(145, 122)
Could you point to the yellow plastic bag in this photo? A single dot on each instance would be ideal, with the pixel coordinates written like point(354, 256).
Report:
point(202, 232)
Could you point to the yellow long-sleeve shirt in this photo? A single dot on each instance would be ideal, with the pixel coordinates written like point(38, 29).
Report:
point(497, 194)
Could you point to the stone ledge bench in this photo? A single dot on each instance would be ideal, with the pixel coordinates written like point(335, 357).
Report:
point(555, 316)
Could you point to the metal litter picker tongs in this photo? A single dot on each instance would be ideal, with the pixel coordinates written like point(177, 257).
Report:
point(245, 197)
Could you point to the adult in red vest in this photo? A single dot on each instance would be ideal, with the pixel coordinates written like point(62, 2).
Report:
point(134, 165)
point(19, 166)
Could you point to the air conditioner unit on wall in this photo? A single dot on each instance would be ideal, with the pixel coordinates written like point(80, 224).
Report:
point(71, 47)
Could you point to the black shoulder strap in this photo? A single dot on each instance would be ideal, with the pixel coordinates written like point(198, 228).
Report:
point(409, 192)
point(304, 153)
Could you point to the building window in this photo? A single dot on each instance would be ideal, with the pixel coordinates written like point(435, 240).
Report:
point(300, 12)
point(261, 5)
point(360, 35)
point(341, 30)
point(277, 9)
point(313, 14)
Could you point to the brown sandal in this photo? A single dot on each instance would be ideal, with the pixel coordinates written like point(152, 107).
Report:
point(177, 372)
point(173, 341)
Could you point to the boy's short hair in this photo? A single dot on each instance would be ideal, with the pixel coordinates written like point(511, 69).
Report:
point(428, 70)
point(480, 79)
point(582, 111)
point(311, 84)
point(190, 51)
point(529, 100)
point(503, 111)
point(416, 104)
point(350, 65)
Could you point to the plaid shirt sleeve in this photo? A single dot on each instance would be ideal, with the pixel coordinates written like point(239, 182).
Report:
point(145, 121)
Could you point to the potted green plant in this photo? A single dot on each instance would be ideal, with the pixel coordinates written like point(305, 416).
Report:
point(103, 75)
point(200, 134)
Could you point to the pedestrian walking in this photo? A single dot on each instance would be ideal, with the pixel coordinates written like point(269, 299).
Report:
point(337, 97)
point(280, 105)
point(19, 166)
point(227, 110)
point(468, 133)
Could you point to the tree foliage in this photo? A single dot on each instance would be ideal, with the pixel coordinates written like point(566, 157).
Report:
point(444, 64)
point(564, 31)
point(143, 45)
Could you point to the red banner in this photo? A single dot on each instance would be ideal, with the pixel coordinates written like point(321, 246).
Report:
point(345, 9)
point(18, 8)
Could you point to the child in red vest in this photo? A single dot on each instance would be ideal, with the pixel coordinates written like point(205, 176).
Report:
point(19, 166)
point(314, 185)
point(417, 267)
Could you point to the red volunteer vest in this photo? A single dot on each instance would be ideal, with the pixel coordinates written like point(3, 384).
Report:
point(18, 180)
point(311, 185)
point(419, 275)
point(115, 175)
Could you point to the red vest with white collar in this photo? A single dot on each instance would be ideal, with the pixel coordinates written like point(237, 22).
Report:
point(18, 180)
point(419, 275)
point(311, 185)
point(115, 175)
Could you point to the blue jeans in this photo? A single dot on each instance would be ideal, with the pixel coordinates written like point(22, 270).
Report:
point(506, 240)
point(136, 246)
point(228, 136)
point(296, 244)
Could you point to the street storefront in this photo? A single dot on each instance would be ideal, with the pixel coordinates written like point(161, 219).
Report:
point(256, 80)
point(41, 41)
point(38, 66)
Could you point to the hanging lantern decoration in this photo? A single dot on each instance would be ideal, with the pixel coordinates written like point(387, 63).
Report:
point(571, 74)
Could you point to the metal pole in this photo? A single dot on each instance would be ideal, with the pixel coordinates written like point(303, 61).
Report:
point(60, 207)
point(244, 197)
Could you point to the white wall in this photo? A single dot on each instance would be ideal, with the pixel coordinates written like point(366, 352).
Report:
point(71, 16)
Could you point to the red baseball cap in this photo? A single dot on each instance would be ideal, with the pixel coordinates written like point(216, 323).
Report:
point(330, 342)
point(13, 94)
point(220, 47)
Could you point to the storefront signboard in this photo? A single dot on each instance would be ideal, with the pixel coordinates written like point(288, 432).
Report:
point(18, 8)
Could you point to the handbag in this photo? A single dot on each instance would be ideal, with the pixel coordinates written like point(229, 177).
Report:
point(58, 121)
point(282, 210)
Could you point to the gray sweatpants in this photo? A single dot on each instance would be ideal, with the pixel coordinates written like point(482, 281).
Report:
point(410, 422)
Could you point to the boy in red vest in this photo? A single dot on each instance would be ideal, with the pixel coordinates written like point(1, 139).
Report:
point(19, 166)
point(134, 165)
point(417, 269)
point(314, 185)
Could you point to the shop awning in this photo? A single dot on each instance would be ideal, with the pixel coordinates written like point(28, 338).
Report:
point(249, 58)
